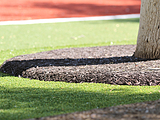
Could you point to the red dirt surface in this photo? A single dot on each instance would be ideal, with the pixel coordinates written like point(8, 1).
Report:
point(42, 9)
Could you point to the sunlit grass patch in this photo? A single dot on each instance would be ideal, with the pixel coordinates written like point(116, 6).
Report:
point(23, 98)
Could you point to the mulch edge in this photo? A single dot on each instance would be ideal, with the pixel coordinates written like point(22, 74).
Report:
point(53, 66)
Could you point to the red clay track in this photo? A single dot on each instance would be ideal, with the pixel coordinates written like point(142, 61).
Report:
point(39, 9)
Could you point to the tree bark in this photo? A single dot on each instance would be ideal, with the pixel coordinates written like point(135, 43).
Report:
point(148, 42)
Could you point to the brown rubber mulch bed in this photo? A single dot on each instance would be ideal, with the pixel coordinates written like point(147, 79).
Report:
point(106, 64)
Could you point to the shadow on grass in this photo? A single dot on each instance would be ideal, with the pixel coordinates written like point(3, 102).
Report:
point(127, 20)
point(3, 75)
point(31, 102)
point(133, 20)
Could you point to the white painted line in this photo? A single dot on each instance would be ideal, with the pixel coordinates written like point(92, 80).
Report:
point(153, 68)
point(55, 20)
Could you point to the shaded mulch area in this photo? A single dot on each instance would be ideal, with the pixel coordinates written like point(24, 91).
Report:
point(138, 111)
point(105, 64)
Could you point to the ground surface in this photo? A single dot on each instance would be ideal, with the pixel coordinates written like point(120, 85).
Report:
point(121, 68)
point(107, 64)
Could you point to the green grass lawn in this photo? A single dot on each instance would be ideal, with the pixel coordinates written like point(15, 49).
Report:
point(21, 98)
point(24, 39)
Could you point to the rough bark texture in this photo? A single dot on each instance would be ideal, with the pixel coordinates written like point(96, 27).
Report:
point(148, 42)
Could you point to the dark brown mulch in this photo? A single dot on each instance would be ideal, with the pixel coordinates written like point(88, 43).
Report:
point(106, 64)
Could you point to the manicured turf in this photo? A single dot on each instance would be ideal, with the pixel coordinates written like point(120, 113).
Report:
point(22, 98)
point(24, 39)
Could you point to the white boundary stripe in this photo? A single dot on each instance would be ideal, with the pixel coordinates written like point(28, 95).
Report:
point(55, 20)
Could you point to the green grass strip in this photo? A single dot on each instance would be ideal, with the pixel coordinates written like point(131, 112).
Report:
point(69, 34)
point(23, 98)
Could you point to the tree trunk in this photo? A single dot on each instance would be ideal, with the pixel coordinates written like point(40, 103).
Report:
point(148, 42)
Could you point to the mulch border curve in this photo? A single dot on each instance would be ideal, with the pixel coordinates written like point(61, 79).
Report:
point(102, 64)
